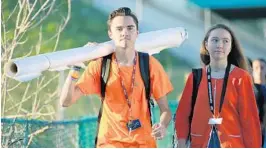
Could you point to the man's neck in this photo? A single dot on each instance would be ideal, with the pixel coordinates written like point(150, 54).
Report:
point(217, 66)
point(125, 56)
point(259, 81)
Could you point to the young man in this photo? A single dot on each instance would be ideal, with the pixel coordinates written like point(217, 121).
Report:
point(124, 101)
point(259, 77)
point(259, 71)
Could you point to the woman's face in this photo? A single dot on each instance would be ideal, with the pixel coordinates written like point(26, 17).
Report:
point(259, 70)
point(219, 44)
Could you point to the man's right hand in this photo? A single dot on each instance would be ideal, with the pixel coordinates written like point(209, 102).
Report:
point(70, 93)
point(91, 44)
point(82, 65)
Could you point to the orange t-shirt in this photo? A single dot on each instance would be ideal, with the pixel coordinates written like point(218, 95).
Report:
point(113, 131)
point(240, 125)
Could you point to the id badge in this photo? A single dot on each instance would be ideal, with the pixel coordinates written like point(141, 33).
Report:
point(133, 124)
point(214, 121)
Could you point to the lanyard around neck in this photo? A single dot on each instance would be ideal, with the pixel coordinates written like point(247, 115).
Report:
point(132, 79)
point(210, 94)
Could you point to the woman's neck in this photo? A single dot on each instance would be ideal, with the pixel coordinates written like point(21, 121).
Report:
point(217, 66)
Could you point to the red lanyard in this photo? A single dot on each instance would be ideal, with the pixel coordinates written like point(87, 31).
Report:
point(133, 79)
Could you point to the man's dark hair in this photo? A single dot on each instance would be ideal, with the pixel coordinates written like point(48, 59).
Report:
point(249, 61)
point(123, 11)
point(262, 60)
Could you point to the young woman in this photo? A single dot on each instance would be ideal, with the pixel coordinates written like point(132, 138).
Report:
point(225, 112)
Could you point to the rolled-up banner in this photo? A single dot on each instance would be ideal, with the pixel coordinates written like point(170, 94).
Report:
point(28, 68)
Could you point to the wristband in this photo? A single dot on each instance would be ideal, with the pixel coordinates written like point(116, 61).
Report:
point(76, 68)
point(75, 75)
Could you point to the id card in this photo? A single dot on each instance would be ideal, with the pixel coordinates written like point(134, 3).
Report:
point(133, 124)
point(214, 121)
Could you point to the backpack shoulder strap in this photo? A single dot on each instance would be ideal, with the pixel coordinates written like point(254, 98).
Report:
point(105, 71)
point(197, 75)
point(144, 65)
point(145, 71)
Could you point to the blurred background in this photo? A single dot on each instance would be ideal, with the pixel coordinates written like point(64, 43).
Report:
point(31, 115)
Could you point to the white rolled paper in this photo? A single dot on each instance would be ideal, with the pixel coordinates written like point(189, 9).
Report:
point(25, 69)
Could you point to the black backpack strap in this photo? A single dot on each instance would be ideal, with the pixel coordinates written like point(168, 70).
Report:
point(105, 71)
point(144, 66)
point(197, 75)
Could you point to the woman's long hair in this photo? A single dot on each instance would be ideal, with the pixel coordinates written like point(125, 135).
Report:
point(235, 57)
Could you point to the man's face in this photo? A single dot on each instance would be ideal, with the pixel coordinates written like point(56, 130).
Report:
point(259, 69)
point(123, 31)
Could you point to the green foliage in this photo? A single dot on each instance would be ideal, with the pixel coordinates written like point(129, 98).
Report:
point(86, 24)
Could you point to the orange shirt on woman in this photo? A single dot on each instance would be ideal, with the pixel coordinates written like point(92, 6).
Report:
point(240, 125)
